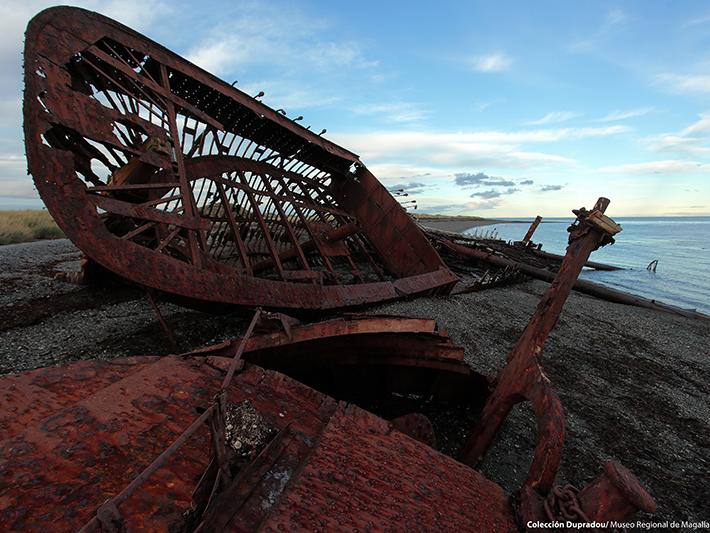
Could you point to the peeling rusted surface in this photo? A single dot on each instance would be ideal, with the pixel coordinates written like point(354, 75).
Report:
point(69, 453)
point(531, 229)
point(177, 181)
point(389, 364)
point(615, 494)
point(61, 468)
point(300, 457)
point(364, 476)
point(523, 379)
point(417, 426)
point(29, 397)
point(77, 434)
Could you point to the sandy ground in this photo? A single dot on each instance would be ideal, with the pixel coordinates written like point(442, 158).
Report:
point(633, 381)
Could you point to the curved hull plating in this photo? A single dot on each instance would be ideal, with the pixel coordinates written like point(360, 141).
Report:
point(177, 181)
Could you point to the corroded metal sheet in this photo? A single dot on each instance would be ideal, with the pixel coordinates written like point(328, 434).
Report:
point(177, 181)
point(390, 364)
point(365, 476)
point(356, 339)
point(31, 396)
point(64, 464)
point(61, 468)
point(283, 454)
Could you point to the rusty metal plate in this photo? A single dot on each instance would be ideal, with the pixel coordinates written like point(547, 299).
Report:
point(350, 339)
point(364, 476)
point(64, 464)
point(175, 180)
point(56, 472)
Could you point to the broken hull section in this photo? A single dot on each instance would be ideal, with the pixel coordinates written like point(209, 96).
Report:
point(75, 435)
point(177, 181)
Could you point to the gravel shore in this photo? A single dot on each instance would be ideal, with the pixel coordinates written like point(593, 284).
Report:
point(46, 321)
point(633, 381)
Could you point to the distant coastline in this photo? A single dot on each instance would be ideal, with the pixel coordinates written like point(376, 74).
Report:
point(461, 223)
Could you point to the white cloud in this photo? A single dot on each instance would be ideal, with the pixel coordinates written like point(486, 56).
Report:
point(615, 17)
point(394, 111)
point(290, 96)
point(700, 126)
point(483, 204)
point(283, 39)
point(446, 152)
point(482, 105)
point(391, 173)
point(679, 143)
point(138, 14)
point(554, 117)
point(495, 62)
point(274, 36)
point(613, 20)
point(697, 21)
point(289, 48)
point(331, 54)
point(686, 83)
point(694, 139)
point(666, 167)
point(217, 55)
point(11, 113)
point(18, 188)
point(625, 114)
point(379, 144)
point(14, 181)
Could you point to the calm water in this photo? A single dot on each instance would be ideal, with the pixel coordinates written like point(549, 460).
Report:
point(681, 245)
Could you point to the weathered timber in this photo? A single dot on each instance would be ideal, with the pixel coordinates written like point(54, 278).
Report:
point(177, 181)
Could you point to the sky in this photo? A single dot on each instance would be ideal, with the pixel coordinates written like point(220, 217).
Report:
point(496, 109)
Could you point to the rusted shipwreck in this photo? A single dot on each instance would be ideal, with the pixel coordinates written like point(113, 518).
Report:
point(177, 181)
point(210, 196)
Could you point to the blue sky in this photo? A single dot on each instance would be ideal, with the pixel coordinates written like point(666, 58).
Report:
point(486, 108)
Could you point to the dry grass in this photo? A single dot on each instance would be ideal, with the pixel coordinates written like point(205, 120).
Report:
point(27, 225)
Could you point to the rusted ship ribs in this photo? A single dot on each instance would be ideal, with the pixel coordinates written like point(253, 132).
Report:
point(177, 181)
point(517, 251)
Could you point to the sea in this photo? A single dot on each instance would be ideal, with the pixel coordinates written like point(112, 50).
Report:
point(680, 244)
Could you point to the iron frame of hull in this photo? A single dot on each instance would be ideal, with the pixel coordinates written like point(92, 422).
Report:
point(63, 124)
